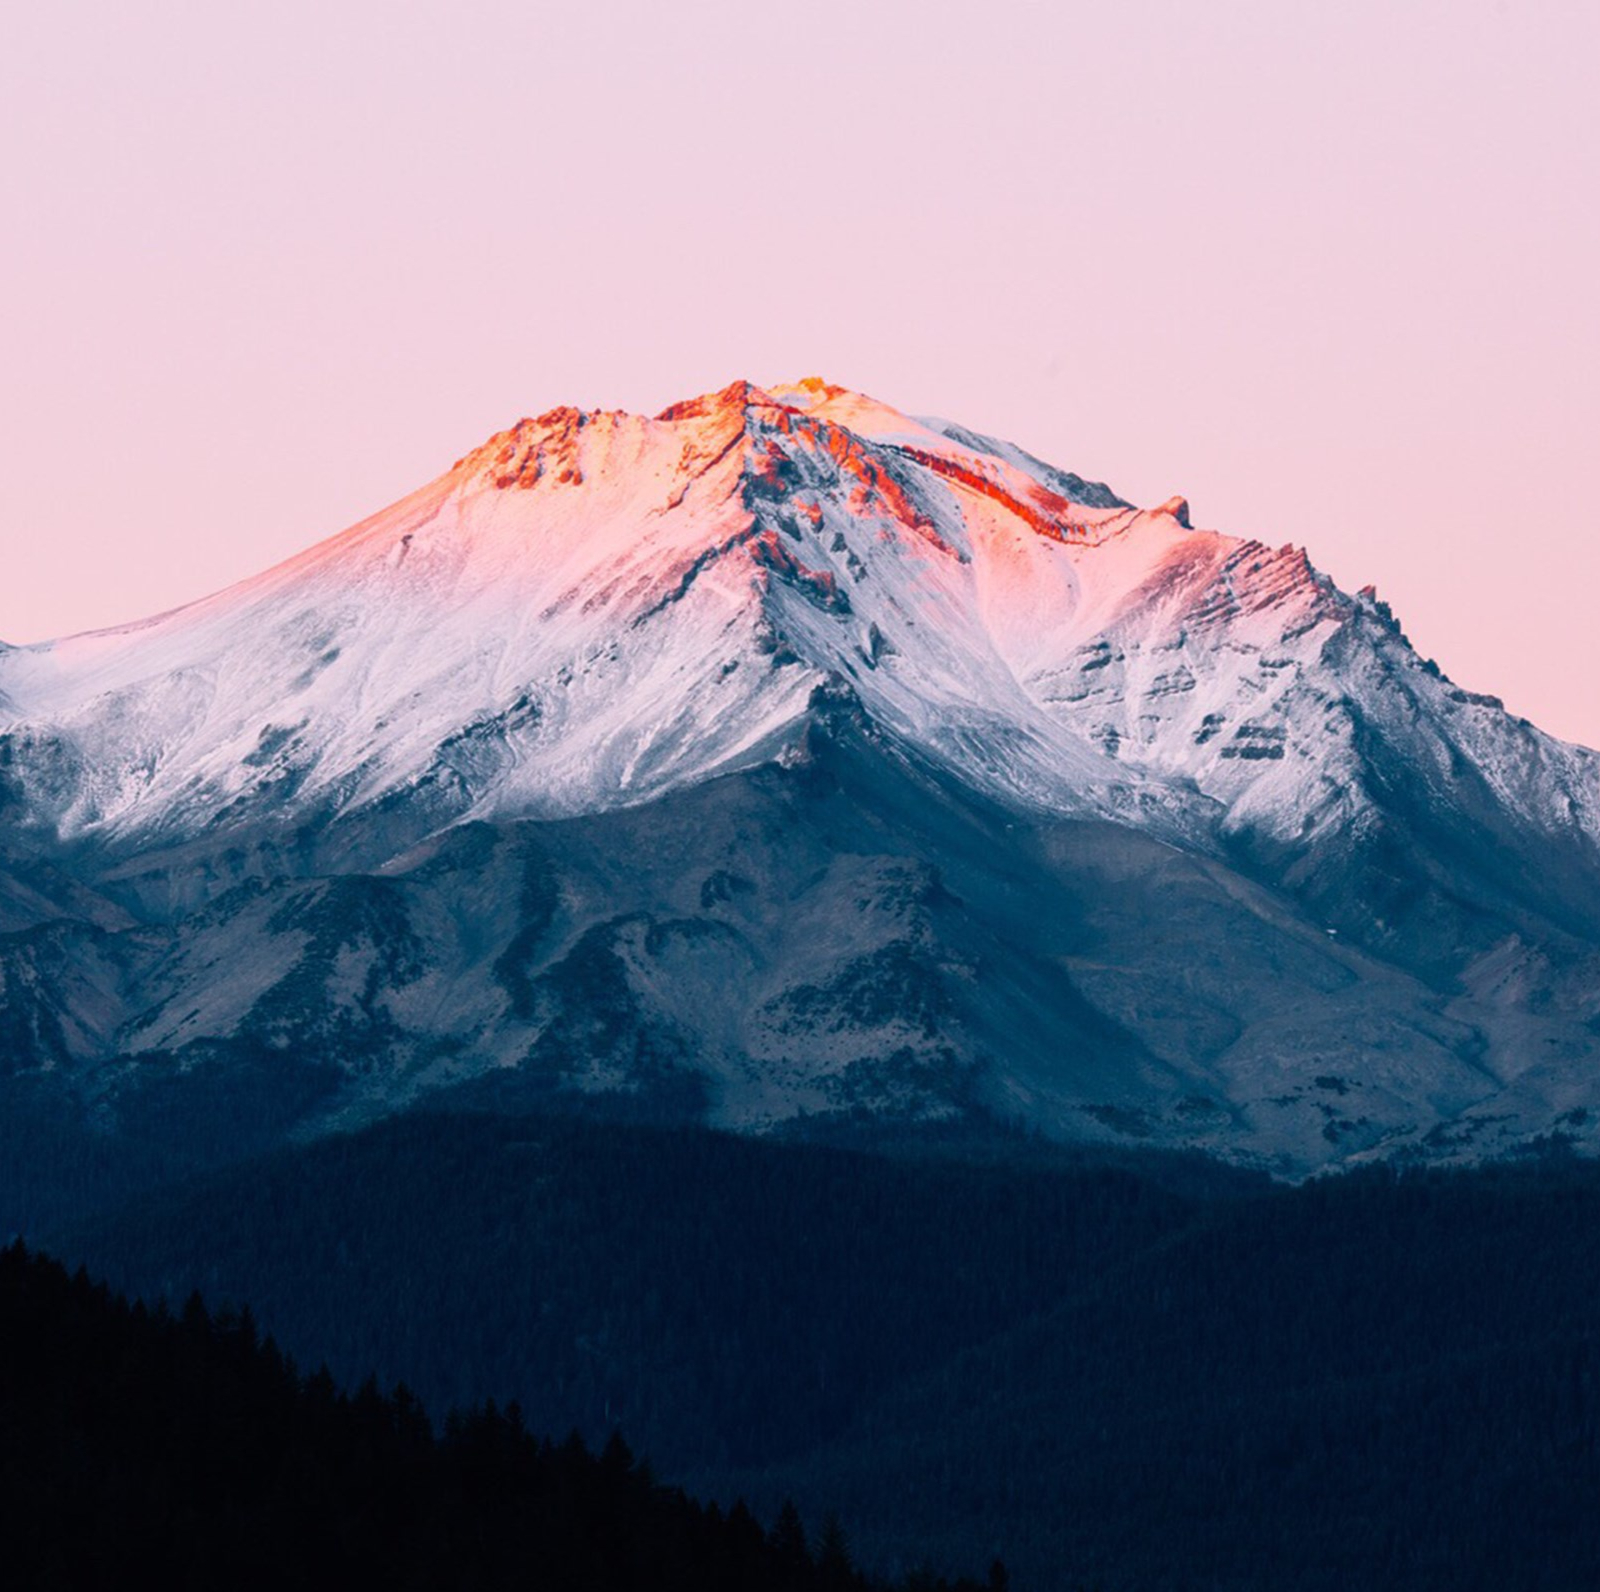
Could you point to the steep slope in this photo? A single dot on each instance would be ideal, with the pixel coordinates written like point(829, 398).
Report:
point(786, 753)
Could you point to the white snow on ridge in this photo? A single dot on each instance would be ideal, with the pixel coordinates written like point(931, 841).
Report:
point(591, 609)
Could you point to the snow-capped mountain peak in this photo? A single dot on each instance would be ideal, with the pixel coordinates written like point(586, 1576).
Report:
point(591, 608)
point(835, 755)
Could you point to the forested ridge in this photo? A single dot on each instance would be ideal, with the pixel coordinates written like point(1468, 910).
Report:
point(140, 1447)
point(1147, 1375)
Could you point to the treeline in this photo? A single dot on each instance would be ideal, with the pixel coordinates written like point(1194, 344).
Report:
point(729, 1302)
point(1387, 1378)
point(141, 1447)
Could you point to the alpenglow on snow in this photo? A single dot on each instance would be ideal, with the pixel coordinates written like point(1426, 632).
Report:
point(785, 753)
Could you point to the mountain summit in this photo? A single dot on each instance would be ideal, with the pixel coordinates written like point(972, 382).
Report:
point(592, 608)
point(783, 752)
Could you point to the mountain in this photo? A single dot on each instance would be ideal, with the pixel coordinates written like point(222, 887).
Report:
point(784, 755)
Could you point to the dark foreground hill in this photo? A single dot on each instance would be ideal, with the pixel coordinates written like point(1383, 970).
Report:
point(184, 1452)
point(1149, 1375)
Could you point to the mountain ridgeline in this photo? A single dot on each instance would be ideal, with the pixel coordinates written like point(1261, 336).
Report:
point(786, 755)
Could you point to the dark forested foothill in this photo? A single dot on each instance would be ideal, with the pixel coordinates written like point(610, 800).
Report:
point(185, 1451)
point(1151, 1375)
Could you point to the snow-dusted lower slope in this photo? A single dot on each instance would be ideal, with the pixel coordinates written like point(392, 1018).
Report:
point(213, 818)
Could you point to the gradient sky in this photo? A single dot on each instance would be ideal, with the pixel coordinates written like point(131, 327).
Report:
point(1329, 270)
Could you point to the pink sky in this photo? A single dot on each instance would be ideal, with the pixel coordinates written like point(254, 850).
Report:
point(1329, 270)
